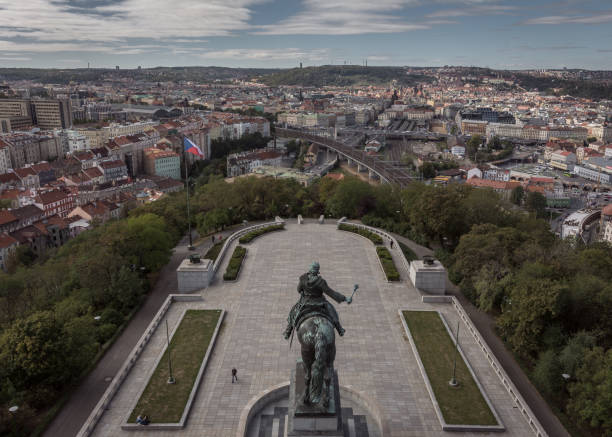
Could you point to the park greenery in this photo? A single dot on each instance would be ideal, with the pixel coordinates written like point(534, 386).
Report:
point(386, 260)
point(234, 264)
point(505, 259)
point(374, 238)
point(214, 251)
point(163, 402)
point(461, 405)
point(250, 236)
point(56, 315)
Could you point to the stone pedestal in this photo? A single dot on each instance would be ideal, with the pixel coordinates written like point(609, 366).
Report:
point(194, 276)
point(430, 278)
point(307, 422)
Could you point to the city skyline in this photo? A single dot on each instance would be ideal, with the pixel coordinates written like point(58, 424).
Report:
point(272, 33)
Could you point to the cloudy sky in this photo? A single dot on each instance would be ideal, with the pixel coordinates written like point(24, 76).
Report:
point(283, 33)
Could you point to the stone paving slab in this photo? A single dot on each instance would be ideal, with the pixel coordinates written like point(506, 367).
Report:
point(374, 356)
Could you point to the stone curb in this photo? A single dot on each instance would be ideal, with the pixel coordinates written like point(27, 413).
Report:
point(446, 426)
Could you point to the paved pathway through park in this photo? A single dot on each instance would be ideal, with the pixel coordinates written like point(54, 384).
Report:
point(374, 356)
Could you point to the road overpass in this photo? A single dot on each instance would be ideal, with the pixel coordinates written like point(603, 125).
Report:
point(386, 172)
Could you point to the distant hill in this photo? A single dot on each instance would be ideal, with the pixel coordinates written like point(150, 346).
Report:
point(343, 75)
point(157, 74)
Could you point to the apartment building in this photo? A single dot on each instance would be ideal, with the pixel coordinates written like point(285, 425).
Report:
point(158, 162)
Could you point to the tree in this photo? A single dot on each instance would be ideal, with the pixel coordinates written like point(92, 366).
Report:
point(591, 393)
point(517, 195)
point(573, 353)
point(495, 143)
point(35, 353)
point(428, 170)
point(437, 213)
point(473, 145)
point(547, 373)
point(351, 198)
point(536, 202)
point(534, 300)
point(213, 220)
point(145, 241)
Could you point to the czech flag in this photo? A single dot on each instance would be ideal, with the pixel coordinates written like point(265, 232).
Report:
point(190, 147)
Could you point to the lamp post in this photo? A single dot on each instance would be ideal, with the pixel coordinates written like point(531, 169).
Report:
point(170, 378)
point(453, 382)
point(13, 412)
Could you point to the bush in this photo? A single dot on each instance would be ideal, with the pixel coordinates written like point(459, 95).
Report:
point(105, 332)
point(408, 253)
point(387, 263)
point(214, 251)
point(233, 267)
point(250, 236)
point(374, 238)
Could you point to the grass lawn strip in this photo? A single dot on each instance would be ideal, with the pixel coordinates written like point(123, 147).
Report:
point(250, 236)
point(374, 238)
point(463, 405)
point(163, 402)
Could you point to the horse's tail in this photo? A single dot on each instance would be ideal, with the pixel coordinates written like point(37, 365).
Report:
point(324, 354)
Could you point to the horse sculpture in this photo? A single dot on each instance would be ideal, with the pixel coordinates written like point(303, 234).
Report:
point(318, 342)
point(314, 319)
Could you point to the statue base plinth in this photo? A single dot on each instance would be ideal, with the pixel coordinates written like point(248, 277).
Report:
point(306, 420)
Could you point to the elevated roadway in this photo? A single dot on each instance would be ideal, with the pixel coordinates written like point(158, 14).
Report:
point(385, 171)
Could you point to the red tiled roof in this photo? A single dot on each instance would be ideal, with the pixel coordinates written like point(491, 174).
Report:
point(41, 166)
point(24, 172)
point(7, 178)
point(51, 196)
point(7, 217)
point(112, 164)
point(93, 172)
point(7, 241)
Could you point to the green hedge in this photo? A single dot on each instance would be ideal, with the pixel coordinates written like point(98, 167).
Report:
point(375, 238)
point(408, 253)
point(247, 238)
point(213, 252)
point(233, 267)
point(387, 263)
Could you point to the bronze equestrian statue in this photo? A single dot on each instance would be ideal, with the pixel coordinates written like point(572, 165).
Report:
point(313, 319)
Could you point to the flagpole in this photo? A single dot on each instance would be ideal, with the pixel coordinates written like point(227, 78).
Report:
point(187, 181)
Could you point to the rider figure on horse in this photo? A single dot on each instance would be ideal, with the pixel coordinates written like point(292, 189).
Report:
point(312, 302)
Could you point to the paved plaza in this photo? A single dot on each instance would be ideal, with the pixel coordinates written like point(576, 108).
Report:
point(374, 357)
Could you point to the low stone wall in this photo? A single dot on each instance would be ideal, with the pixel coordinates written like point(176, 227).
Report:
point(450, 426)
point(115, 384)
point(436, 299)
point(534, 423)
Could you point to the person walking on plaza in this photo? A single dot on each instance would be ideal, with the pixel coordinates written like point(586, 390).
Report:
point(234, 375)
point(213, 239)
point(391, 244)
